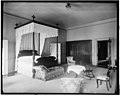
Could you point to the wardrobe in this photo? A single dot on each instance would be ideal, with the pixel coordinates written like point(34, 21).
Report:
point(80, 50)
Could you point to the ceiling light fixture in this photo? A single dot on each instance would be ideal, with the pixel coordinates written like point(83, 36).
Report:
point(68, 5)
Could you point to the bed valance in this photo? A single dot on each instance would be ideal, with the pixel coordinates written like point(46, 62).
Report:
point(44, 31)
point(27, 41)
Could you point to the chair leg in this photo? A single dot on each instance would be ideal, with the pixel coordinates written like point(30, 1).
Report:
point(86, 73)
point(77, 75)
point(90, 77)
point(100, 82)
point(97, 83)
point(107, 85)
point(83, 76)
point(33, 73)
point(93, 75)
point(114, 69)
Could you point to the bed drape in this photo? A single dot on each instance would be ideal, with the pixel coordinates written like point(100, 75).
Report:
point(45, 32)
point(27, 41)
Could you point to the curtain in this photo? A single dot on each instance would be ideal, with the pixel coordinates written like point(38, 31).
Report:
point(44, 31)
point(27, 41)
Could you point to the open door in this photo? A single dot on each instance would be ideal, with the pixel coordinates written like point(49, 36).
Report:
point(104, 53)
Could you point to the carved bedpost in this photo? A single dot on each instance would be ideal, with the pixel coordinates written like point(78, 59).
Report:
point(39, 43)
point(57, 44)
point(33, 50)
point(57, 48)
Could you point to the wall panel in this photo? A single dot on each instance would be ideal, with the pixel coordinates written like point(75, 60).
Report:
point(81, 51)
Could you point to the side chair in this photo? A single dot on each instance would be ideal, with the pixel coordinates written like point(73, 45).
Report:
point(105, 78)
point(89, 71)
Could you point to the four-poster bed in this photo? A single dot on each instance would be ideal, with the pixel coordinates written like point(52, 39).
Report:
point(30, 39)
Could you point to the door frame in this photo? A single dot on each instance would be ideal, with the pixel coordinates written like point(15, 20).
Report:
point(96, 47)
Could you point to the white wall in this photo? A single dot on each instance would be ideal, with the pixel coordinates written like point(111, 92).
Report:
point(5, 57)
point(9, 34)
point(94, 31)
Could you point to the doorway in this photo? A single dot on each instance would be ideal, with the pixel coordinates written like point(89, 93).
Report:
point(104, 53)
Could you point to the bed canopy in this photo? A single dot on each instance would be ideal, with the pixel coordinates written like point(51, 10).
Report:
point(31, 36)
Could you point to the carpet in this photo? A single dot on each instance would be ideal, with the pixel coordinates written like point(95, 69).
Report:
point(22, 84)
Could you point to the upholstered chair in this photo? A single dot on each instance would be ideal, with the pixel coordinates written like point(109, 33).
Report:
point(104, 77)
point(70, 61)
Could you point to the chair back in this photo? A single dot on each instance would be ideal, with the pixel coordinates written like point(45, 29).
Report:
point(109, 71)
point(70, 58)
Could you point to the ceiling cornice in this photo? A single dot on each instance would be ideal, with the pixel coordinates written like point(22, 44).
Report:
point(16, 16)
point(93, 24)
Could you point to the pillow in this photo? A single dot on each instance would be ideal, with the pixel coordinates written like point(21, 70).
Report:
point(47, 61)
point(50, 58)
point(27, 53)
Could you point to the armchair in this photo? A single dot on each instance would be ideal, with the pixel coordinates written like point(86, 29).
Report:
point(70, 61)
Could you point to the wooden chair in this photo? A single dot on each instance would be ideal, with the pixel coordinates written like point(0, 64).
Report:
point(89, 71)
point(104, 77)
point(114, 67)
point(70, 61)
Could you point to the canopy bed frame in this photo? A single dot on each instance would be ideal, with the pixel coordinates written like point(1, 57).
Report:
point(30, 37)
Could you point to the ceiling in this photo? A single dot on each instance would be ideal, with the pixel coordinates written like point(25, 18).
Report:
point(56, 13)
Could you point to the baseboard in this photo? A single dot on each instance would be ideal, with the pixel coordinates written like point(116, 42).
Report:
point(12, 73)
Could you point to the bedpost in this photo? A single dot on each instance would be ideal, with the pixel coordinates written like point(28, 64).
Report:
point(33, 50)
point(57, 44)
point(39, 43)
point(57, 48)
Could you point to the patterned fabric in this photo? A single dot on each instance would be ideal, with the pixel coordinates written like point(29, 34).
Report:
point(40, 72)
point(47, 73)
point(71, 85)
point(54, 72)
